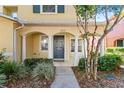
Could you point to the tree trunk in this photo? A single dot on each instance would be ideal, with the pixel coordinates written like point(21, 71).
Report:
point(96, 56)
point(88, 64)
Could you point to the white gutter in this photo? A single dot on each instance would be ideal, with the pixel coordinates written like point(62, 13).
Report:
point(14, 41)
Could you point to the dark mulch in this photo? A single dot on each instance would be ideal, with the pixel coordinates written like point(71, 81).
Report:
point(105, 79)
point(29, 82)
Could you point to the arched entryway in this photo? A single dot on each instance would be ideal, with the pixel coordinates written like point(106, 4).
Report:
point(65, 48)
point(34, 45)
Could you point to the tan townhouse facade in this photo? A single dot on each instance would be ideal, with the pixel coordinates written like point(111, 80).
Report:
point(43, 31)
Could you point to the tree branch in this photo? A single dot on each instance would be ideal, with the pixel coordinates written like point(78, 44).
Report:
point(106, 17)
point(117, 20)
point(79, 21)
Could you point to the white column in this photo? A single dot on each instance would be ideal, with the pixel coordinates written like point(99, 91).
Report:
point(50, 47)
point(14, 45)
point(102, 48)
point(23, 48)
point(1, 9)
point(76, 51)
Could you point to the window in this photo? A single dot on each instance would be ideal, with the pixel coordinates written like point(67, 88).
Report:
point(44, 42)
point(48, 8)
point(79, 45)
point(120, 43)
point(73, 45)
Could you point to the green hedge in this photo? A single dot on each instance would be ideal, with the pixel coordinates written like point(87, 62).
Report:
point(120, 49)
point(110, 50)
point(109, 62)
point(32, 62)
point(115, 50)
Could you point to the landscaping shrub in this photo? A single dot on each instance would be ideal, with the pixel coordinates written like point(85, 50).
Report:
point(110, 50)
point(115, 50)
point(44, 70)
point(81, 64)
point(120, 50)
point(13, 70)
point(2, 80)
point(109, 62)
point(3, 58)
point(32, 62)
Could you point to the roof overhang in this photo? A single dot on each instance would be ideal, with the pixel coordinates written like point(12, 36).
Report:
point(10, 18)
point(61, 24)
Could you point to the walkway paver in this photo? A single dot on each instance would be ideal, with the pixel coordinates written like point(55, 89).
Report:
point(65, 78)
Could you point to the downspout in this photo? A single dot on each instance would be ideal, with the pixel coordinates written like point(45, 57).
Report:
point(14, 41)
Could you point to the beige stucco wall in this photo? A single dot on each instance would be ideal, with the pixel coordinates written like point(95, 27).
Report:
point(68, 17)
point(18, 46)
point(6, 35)
point(6, 11)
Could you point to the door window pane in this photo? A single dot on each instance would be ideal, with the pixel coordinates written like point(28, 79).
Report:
point(79, 45)
point(72, 45)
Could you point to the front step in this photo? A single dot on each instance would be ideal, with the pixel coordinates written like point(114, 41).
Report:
point(58, 60)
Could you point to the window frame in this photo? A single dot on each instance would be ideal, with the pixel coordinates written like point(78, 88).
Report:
point(74, 45)
point(41, 10)
point(41, 49)
point(122, 41)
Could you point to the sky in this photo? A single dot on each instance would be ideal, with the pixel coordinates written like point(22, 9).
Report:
point(101, 17)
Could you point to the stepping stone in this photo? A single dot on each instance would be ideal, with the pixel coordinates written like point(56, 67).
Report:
point(110, 77)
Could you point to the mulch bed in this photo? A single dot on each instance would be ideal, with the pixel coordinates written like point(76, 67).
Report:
point(29, 82)
point(102, 82)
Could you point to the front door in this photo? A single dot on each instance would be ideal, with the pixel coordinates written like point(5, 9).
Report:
point(58, 47)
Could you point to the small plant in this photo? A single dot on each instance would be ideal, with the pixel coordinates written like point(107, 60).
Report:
point(109, 62)
point(81, 64)
point(120, 50)
point(2, 80)
point(110, 50)
point(21, 71)
point(13, 70)
point(3, 58)
point(44, 70)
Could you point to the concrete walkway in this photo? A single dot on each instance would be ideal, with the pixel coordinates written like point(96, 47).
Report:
point(65, 78)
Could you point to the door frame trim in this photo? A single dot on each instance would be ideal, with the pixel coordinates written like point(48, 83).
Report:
point(64, 46)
